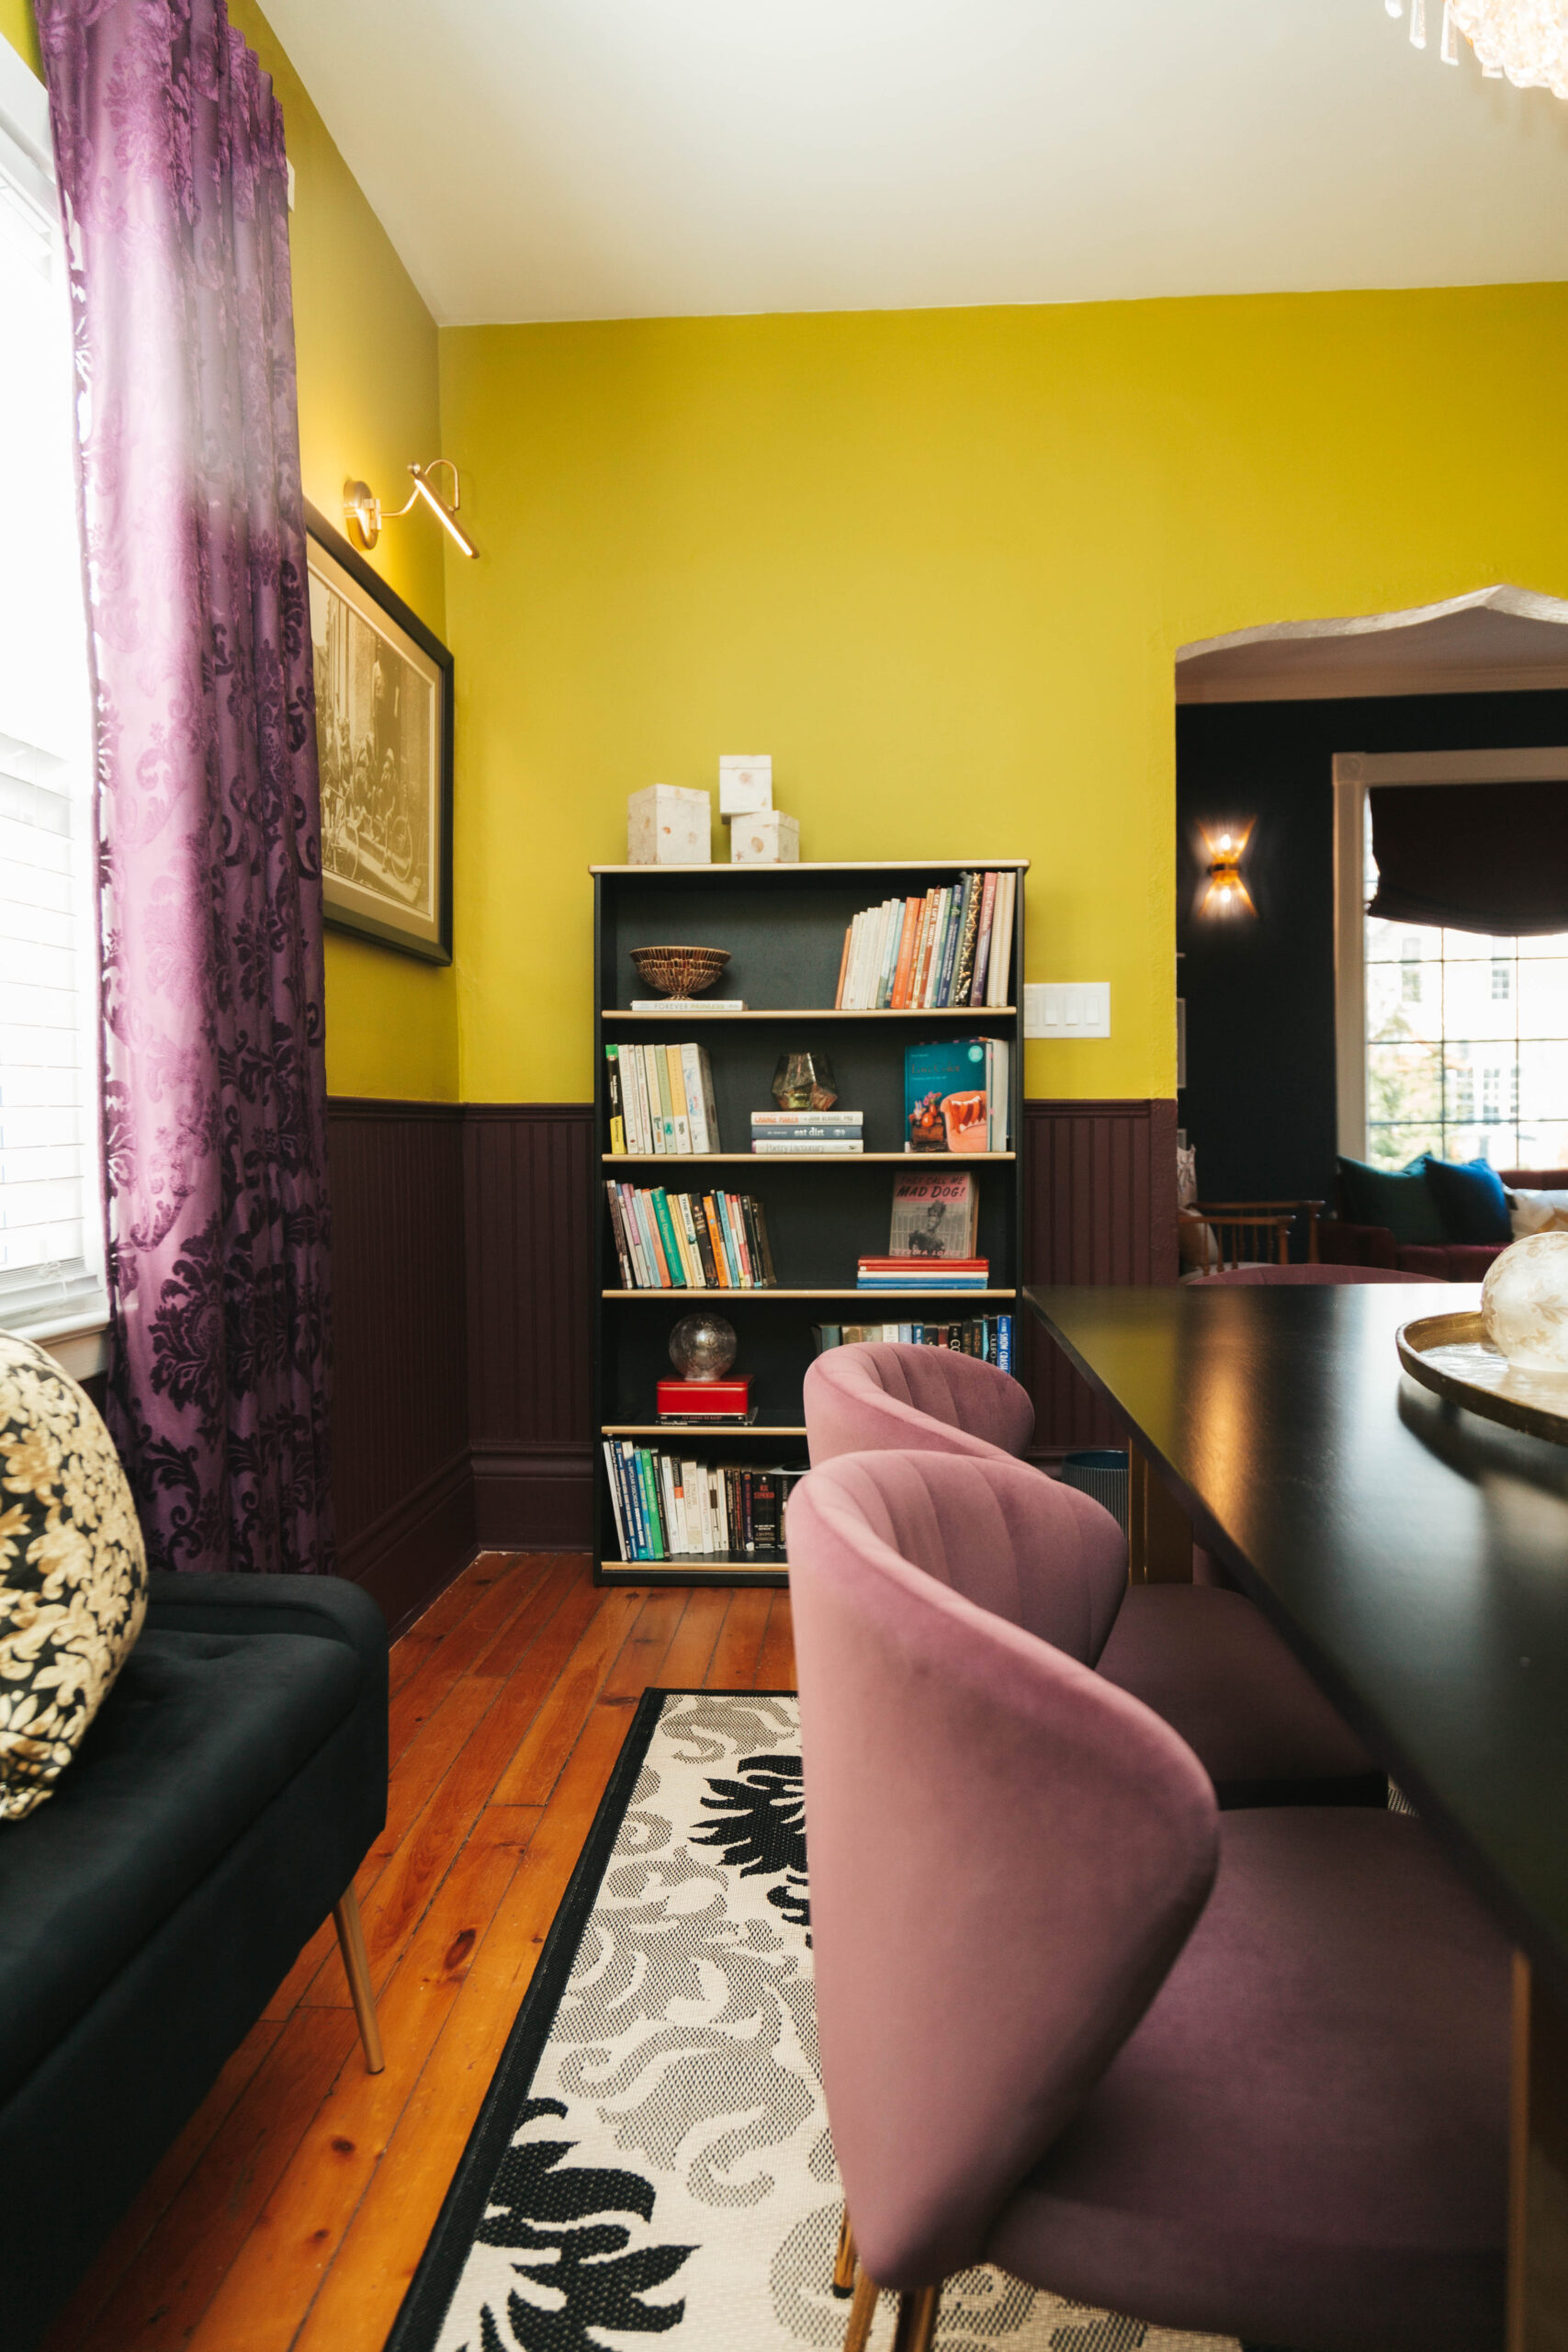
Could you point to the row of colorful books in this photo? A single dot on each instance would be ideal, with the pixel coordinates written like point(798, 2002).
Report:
point(667, 1507)
point(989, 1337)
point(923, 1273)
point(690, 1241)
point(661, 1099)
point(953, 946)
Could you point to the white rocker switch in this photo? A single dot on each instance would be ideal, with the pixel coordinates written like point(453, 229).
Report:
point(1061, 1009)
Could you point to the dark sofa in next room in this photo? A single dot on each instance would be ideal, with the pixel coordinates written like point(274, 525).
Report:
point(1344, 1243)
point(218, 1807)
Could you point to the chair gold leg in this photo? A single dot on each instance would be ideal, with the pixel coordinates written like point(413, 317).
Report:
point(862, 2310)
point(356, 1968)
point(844, 2260)
point(916, 2331)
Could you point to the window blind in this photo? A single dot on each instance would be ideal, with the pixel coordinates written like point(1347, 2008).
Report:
point(50, 1218)
point(1486, 857)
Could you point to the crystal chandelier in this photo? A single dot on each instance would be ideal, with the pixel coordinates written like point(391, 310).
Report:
point(1526, 39)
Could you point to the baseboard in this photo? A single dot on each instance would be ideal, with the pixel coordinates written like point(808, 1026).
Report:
point(414, 1549)
point(533, 1499)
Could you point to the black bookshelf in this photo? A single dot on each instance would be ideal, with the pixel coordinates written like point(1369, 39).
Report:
point(785, 928)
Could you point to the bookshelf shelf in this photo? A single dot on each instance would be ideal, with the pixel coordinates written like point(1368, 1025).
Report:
point(982, 1014)
point(703, 1429)
point(784, 928)
point(796, 1159)
point(695, 1567)
point(952, 1299)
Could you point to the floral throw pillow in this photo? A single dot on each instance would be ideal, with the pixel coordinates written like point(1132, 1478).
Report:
point(72, 1572)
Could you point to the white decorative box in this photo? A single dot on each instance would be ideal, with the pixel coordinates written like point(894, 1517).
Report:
point(770, 838)
point(745, 783)
point(668, 825)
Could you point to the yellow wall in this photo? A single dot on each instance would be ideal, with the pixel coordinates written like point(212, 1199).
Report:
point(368, 403)
point(17, 26)
point(938, 563)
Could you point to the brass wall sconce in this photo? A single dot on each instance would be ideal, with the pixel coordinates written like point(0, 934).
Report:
point(1225, 895)
point(365, 514)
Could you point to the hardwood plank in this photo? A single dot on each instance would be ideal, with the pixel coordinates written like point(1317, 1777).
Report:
point(164, 2292)
point(691, 1651)
point(270, 2284)
point(734, 1660)
point(493, 1608)
point(647, 1644)
point(536, 1766)
point(775, 1661)
point(361, 2293)
point(565, 1576)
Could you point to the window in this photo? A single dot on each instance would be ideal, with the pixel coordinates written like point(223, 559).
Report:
point(1472, 1062)
point(51, 1245)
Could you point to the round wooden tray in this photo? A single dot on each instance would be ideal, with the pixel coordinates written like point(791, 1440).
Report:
point(1450, 1355)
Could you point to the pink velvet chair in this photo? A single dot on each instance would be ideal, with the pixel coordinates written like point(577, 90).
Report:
point(1307, 1276)
point(1244, 2074)
point(1203, 1657)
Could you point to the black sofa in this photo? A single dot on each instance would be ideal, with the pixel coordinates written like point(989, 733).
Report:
point(218, 1809)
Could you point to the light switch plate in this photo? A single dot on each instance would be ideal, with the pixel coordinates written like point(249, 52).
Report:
point(1067, 1009)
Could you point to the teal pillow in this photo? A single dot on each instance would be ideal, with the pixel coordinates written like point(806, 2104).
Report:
point(1404, 1202)
point(1471, 1201)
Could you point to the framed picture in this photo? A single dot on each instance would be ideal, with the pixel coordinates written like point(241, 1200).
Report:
point(384, 738)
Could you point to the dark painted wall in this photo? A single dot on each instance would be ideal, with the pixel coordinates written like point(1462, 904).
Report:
point(1260, 1101)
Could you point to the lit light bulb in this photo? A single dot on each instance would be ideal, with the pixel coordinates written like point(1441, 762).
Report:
point(1394, 8)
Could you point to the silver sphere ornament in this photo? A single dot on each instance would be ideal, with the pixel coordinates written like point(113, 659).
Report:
point(701, 1346)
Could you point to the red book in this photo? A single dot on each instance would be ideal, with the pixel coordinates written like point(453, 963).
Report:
point(934, 1265)
point(695, 1400)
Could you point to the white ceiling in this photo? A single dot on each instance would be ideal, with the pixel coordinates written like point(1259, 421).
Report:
point(565, 159)
point(1493, 641)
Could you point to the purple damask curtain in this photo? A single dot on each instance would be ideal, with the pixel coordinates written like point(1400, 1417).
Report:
point(170, 147)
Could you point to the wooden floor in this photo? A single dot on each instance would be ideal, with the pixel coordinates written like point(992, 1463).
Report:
point(294, 2207)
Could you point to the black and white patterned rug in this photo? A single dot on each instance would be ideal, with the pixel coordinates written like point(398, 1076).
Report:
point(652, 2157)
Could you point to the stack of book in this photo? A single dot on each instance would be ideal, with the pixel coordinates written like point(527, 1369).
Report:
point(804, 1133)
point(667, 1509)
point(923, 1273)
point(953, 946)
point(989, 1337)
point(661, 1099)
point(690, 1241)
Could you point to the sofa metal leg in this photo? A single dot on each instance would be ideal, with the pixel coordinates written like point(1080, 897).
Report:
point(862, 2310)
point(357, 1967)
point(844, 2260)
point(916, 2331)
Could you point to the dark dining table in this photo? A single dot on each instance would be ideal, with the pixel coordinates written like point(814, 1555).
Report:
point(1414, 1556)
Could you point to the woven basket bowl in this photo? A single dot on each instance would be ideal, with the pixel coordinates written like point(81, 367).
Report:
point(680, 971)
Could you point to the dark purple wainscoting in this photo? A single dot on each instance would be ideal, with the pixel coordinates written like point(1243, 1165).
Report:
point(464, 1273)
point(1099, 1207)
point(530, 1198)
point(401, 1483)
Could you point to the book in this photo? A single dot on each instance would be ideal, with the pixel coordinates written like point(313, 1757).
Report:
point(983, 941)
point(612, 1089)
point(807, 1146)
point(945, 1101)
point(1000, 972)
point(706, 1400)
point(659, 1091)
point(677, 1076)
point(969, 933)
point(687, 1004)
point(839, 1118)
point(935, 1215)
